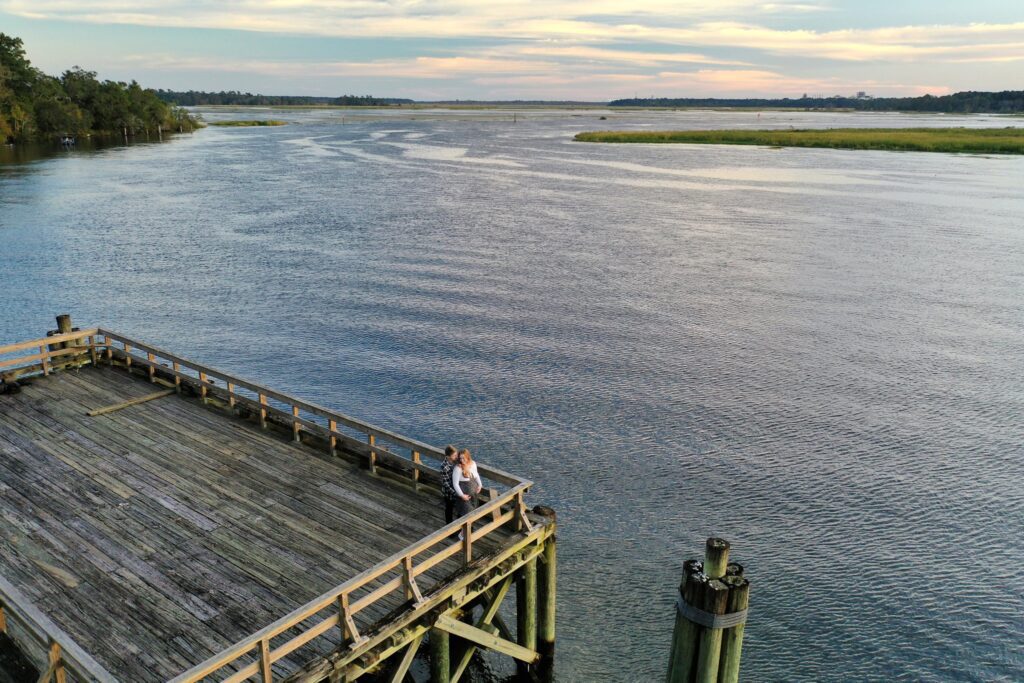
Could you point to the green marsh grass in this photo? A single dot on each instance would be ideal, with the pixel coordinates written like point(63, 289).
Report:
point(971, 140)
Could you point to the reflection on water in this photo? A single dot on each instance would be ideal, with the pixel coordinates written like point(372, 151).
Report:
point(813, 353)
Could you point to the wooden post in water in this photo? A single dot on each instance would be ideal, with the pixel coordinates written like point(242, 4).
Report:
point(526, 610)
point(732, 639)
point(686, 634)
point(711, 611)
point(715, 598)
point(63, 327)
point(440, 656)
point(547, 600)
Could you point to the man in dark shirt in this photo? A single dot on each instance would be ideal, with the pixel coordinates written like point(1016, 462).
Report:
point(451, 455)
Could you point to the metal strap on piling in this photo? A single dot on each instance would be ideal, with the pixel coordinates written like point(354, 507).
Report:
point(699, 616)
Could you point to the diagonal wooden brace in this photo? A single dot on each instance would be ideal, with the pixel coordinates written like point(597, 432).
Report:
point(486, 639)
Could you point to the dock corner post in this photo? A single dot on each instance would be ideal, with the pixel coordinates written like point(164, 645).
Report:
point(440, 656)
point(548, 604)
point(526, 610)
point(64, 327)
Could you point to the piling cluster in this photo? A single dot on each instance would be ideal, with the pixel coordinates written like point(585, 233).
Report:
point(710, 616)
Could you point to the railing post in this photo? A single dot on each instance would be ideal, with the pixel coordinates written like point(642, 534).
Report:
point(371, 441)
point(109, 350)
point(493, 495)
point(127, 356)
point(3, 619)
point(265, 668)
point(231, 395)
point(202, 387)
point(56, 659)
point(348, 624)
point(412, 591)
point(152, 366)
point(263, 411)
point(92, 350)
point(332, 440)
point(176, 366)
point(467, 541)
point(46, 360)
point(296, 425)
point(416, 470)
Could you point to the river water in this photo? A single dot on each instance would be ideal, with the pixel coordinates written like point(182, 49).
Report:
point(816, 354)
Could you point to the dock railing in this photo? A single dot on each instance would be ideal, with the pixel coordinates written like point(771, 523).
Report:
point(63, 655)
point(48, 354)
point(341, 606)
point(375, 442)
point(337, 608)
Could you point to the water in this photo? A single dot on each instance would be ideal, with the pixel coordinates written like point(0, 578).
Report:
point(816, 354)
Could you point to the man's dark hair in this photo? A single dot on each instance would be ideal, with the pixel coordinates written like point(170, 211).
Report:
point(450, 450)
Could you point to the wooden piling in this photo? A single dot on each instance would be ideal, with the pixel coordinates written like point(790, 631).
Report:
point(716, 557)
point(548, 605)
point(686, 635)
point(706, 645)
point(526, 610)
point(63, 327)
point(732, 639)
point(715, 600)
point(440, 656)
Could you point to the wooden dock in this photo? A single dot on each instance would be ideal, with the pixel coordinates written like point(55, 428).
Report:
point(167, 521)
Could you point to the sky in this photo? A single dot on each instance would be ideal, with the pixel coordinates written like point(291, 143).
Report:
point(552, 49)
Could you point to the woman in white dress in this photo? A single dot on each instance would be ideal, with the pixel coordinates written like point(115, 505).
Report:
point(466, 482)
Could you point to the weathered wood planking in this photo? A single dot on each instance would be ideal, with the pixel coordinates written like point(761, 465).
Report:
point(164, 532)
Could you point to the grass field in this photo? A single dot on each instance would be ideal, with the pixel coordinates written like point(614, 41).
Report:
point(234, 124)
point(972, 140)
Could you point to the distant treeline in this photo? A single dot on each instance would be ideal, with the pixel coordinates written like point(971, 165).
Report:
point(35, 106)
point(970, 102)
point(196, 97)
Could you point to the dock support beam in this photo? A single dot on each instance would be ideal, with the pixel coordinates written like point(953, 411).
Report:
point(526, 612)
point(440, 656)
point(547, 600)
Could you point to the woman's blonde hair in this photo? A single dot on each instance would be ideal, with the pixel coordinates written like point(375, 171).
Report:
point(465, 465)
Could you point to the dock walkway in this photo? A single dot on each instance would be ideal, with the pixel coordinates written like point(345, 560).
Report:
point(159, 535)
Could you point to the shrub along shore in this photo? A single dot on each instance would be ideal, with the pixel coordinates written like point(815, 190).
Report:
point(972, 140)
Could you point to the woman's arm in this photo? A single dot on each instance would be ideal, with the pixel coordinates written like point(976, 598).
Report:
point(476, 476)
point(457, 480)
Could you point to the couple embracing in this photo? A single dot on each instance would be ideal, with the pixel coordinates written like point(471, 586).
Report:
point(460, 483)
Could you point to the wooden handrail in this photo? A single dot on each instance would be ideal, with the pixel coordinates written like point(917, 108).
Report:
point(41, 360)
point(16, 608)
point(487, 471)
point(36, 343)
point(402, 561)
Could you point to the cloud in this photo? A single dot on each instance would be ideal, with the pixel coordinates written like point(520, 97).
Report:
point(668, 46)
point(686, 24)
